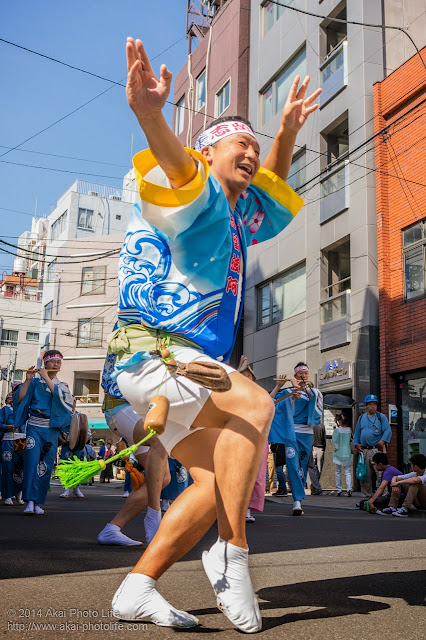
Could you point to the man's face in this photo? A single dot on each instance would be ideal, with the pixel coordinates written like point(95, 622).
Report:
point(234, 161)
point(371, 407)
point(54, 364)
point(303, 374)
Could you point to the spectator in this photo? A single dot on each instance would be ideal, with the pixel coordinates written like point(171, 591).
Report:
point(382, 466)
point(271, 470)
point(342, 454)
point(372, 434)
point(414, 486)
point(317, 459)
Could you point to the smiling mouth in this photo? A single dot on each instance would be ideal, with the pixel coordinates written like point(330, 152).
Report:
point(246, 169)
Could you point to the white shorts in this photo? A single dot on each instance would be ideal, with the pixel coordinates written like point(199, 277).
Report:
point(124, 421)
point(142, 381)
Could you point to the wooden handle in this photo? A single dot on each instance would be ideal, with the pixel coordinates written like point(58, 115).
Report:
point(156, 417)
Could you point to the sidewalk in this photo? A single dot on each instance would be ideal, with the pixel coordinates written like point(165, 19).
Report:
point(328, 499)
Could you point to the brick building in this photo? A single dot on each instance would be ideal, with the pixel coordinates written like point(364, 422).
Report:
point(399, 106)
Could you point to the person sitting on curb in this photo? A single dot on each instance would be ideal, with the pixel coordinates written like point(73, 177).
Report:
point(414, 486)
point(381, 464)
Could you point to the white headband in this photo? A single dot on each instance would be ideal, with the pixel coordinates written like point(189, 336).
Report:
point(301, 368)
point(222, 130)
point(55, 357)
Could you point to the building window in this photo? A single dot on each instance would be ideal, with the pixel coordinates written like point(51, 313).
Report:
point(275, 95)
point(9, 338)
point(59, 225)
point(18, 375)
point(297, 174)
point(93, 280)
point(89, 332)
point(85, 219)
point(86, 386)
point(414, 253)
point(33, 336)
point(271, 13)
point(51, 269)
point(47, 315)
point(200, 99)
point(223, 99)
point(180, 116)
point(282, 297)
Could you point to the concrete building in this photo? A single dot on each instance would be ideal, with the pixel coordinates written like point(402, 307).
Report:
point(20, 306)
point(313, 291)
point(80, 287)
point(401, 230)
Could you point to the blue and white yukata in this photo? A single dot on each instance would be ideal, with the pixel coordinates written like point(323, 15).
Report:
point(307, 414)
point(44, 414)
point(182, 270)
point(282, 432)
point(12, 469)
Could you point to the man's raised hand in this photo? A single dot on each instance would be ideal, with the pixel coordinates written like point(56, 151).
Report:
point(146, 94)
point(296, 109)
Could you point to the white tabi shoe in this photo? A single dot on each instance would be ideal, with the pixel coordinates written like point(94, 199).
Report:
point(65, 494)
point(151, 523)
point(137, 599)
point(297, 508)
point(111, 534)
point(78, 493)
point(29, 509)
point(125, 494)
point(227, 569)
point(9, 502)
point(38, 511)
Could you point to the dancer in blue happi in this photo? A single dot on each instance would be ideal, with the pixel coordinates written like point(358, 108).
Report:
point(282, 432)
point(307, 413)
point(45, 405)
point(182, 281)
point(11, 455)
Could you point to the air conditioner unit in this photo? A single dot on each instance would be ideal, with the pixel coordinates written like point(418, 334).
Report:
point(115, 198)
point(93, 193)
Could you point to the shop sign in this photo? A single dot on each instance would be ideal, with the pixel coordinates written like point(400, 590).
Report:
point(334, 371)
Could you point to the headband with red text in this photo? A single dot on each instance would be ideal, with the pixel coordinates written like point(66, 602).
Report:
point(56, 356)
point(222, 130)
point(302, 367)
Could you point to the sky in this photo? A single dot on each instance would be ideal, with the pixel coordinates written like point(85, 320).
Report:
point(36, 92)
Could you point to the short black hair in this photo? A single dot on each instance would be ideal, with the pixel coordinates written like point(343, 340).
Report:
point(419, 460)
point(301, 364)
point(380, 457)
point(230, 119)
point(52, 353)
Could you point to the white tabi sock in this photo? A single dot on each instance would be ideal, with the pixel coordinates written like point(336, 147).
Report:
point(151, 523)
point(136, 599)
point(227, 569)
point(111, 534)
point(297, 504)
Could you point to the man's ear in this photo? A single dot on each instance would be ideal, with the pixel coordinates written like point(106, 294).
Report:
point(208, 154)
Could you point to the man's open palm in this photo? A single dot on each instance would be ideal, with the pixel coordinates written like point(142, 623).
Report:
point(296, 109)
point(146, 94)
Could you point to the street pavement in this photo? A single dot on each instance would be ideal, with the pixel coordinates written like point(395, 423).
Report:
point(334, 573)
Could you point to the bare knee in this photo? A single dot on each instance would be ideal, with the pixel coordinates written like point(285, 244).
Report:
point(166, 478)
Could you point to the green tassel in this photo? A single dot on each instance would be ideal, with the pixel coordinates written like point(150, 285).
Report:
point(73, 472)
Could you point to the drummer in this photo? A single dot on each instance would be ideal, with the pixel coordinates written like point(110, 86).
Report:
point(68, 454)
point(11, 459)
point(45, 404)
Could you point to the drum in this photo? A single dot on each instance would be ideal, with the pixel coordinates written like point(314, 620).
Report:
point(79, 431)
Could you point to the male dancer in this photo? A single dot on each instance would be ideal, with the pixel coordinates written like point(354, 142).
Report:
point(11, 460)
point(122, 420)
point(182, 274)
point(45, 404)
point(282, 432)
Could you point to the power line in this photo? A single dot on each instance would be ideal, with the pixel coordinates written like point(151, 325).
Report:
point(58, 155)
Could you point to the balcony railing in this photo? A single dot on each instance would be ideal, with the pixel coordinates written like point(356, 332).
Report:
point(335, 320)
point(334, 72)
point(338, 287)
point(89, 398)
point(35, 297)
point(334, 192)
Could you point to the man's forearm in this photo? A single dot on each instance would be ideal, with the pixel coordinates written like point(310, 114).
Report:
point(23, 390)
point(280, 156)
point(168, 150)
